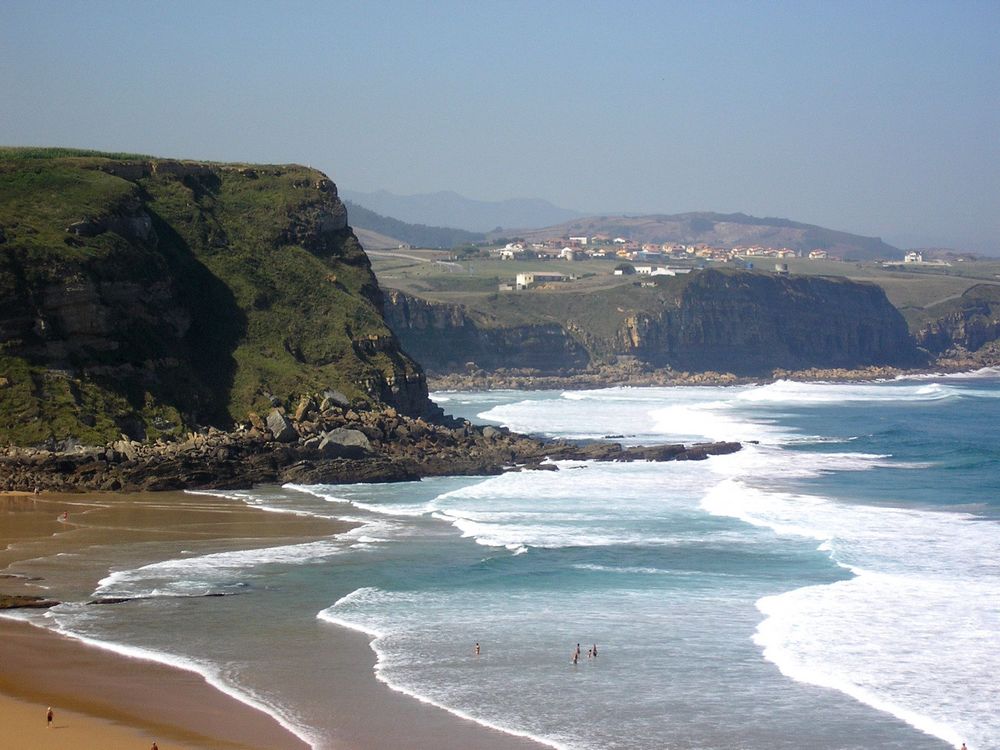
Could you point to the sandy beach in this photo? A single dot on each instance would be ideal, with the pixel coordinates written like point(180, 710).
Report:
point(102, 699)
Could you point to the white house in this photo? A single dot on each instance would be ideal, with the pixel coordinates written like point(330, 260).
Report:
point(654, 271)
point(524, 280)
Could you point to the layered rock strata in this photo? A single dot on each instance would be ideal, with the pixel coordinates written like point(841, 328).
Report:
point(152, 297)
point(740, 323)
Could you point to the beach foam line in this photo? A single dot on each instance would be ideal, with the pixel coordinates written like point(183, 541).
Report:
point(206, 672)
point(249, 499)
point(982, 372)
point(328, 617)
point(205, 570)
point(769, 634)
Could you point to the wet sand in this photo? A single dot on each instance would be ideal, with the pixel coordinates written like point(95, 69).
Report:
point(105, 700)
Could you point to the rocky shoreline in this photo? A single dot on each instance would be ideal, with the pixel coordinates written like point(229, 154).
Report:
point(634, 374)
point(328, 440)
point(325, 443)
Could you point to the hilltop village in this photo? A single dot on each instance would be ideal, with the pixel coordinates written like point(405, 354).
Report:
point(652, 259)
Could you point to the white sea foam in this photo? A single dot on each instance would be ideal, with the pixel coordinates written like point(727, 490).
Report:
point(346, 612)
point(790, 392)
point(981, 373)
point(911, 634)
point(206, 574)
point(333, 494)
point(582, 505)
point(260, 502)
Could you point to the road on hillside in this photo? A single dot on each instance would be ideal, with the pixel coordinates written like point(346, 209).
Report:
point(412, 257)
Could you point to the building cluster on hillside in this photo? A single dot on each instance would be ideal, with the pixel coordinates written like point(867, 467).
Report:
point(619, 248)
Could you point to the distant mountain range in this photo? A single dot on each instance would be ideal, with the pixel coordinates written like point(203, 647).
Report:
point(424, 220)
point(449, 209)
point(376, 231)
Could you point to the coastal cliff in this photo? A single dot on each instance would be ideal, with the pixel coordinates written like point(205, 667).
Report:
point(967, 333)
point(728, 322)
point(149, 297)
point(449, 337)
point(748, 323)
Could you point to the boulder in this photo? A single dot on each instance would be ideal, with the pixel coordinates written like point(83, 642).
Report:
point(126, 448)
point(344, 442)
point(333, 398)
point(280, 427)
point(305, 405)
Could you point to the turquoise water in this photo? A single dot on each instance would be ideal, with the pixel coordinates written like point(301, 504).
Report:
point(836, 584)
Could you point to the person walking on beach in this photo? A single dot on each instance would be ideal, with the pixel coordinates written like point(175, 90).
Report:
point(154, 747)
point(48, 717)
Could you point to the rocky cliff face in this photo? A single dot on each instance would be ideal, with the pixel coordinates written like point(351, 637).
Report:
point(743, 323)
point(753, 323)
point(147, 297)
point(972, 325)
point(447, 338)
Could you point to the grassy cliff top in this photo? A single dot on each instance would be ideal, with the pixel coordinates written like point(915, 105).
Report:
point(148, 296)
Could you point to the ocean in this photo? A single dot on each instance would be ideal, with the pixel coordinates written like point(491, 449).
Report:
point(834, 585)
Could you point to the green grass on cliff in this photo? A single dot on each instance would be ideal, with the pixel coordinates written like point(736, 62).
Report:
point(11, 153)
point(920, 293)
point(39, 199)
point(238, 295)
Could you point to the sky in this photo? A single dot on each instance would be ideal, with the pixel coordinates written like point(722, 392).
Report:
point(879, 118)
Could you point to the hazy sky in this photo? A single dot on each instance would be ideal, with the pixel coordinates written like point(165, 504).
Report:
point(881, 118)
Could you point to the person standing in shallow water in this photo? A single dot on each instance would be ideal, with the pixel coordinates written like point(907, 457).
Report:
point(477, 649)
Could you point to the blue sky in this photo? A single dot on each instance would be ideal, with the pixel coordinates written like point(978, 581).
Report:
point(881, 118)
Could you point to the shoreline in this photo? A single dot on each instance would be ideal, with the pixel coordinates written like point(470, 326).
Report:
point(105, 697)
point(614, 378)
point(145, 700)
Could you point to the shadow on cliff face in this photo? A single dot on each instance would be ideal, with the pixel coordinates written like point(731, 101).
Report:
point(216, 325)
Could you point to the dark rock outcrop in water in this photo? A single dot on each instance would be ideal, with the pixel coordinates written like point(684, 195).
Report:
point(741, 323)
point(330, 445)
point(18, 601)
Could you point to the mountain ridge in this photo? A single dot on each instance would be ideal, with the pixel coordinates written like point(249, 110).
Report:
point(725, 230)
point(446, 208)
point(410, 217)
